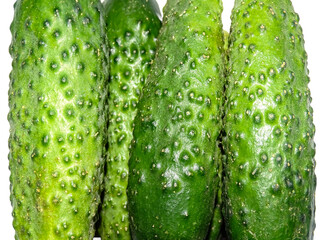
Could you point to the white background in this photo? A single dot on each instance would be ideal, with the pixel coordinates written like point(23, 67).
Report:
point(310, 21)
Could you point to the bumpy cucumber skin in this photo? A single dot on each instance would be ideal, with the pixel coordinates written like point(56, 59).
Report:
point(132, 29)
point(173, 169)
point(57, 118)
point(270, 179)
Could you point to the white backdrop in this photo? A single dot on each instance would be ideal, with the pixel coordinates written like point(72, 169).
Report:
point(310, 20)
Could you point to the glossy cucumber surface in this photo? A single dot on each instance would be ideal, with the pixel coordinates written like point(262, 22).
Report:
point(270, 179)
point(57, 118)
point(174, 166)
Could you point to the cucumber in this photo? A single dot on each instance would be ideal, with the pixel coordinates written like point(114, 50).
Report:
point(132, 29)
point(57, 118)
point(270, 178)
point(175, 157)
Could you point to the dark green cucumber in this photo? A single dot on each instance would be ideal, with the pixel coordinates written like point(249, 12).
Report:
point(174, 166)
point(270, 179)
point(57, 118)
point(132, 29)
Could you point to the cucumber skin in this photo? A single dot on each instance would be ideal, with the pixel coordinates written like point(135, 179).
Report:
point(132, 29)
point(173, 168)
point(57, 118)
point(270, 179)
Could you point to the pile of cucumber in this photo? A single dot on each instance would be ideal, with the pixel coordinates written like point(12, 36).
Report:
point(124, 126)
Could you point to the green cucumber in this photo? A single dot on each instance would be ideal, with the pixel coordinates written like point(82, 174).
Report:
point(57, 118)
point(270, 179)
point(132, 29)
point(175, 158)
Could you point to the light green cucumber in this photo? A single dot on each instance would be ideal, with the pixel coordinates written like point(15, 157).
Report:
point(57, 118)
